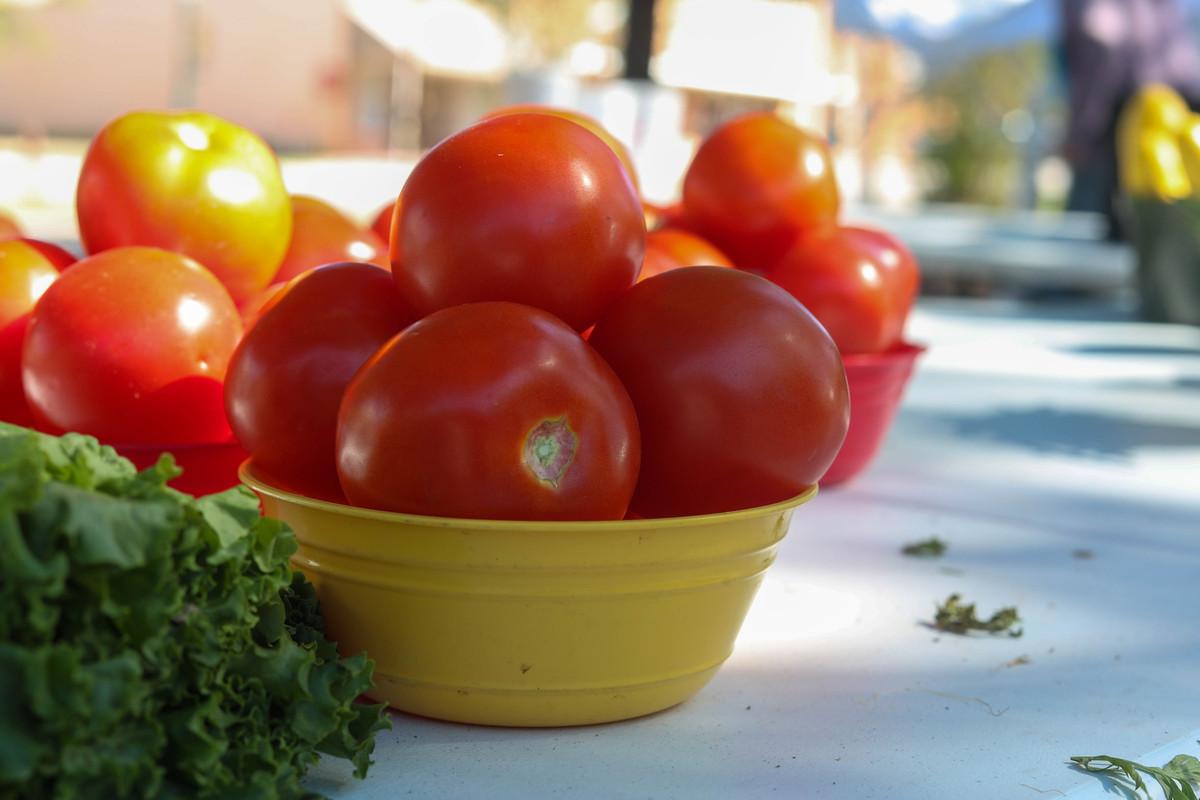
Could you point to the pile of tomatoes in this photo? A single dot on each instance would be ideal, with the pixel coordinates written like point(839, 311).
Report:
point(525, 349)
point(188, 226)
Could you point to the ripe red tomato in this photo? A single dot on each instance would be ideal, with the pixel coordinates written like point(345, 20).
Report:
point(489, 411)
point(670, 248)
point(253, 308)
point(130, 345)
point(740, 394)
point(528, 208)
point(9, 229)
point(668, 216)
point(25, 273)
point(755, 183)
point(287, 376)
point(900, 267)
point(859, 283)
point(381, 226)
point(60, 258)
point(192, 183)
point(323, 235)
point(579, 118)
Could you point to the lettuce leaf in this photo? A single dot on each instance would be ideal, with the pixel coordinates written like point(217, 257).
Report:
point(154, 645)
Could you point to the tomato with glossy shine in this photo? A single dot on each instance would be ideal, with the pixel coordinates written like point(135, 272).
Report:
point(671, 248)
point(130, 345)
point(287, 377)
point(489, 411)
point(579, 118)
point(323, 235)
point(740, 394)
point(528, 208)
point(755, 183)
point(900, 267)
point(860, 283)
point(192, 183)
point(25, 274)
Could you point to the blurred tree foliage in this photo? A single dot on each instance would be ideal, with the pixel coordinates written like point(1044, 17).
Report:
point(968, 157)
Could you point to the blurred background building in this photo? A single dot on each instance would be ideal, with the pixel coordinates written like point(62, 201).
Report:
point(959, 103)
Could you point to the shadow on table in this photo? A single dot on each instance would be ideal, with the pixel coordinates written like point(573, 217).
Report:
point(1133, 350)
point(1076, 433)
point(1112, 784)
point(1190, 383)
point(737, 733)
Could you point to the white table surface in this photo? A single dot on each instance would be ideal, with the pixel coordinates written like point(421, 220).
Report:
point(1021, 440)
point(1022, 250)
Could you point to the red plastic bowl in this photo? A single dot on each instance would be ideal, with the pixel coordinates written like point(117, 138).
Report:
point(877, 382)
point(207, 468)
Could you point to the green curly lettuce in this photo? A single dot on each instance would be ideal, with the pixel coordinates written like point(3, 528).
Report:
point(154, 645)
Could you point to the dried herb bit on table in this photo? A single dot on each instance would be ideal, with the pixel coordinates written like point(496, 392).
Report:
point(1176, 778)
point(153, 645)
point(932, 547)
point(954, 616)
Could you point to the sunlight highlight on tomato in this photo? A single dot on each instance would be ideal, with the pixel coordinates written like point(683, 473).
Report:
point(192, 183)
point(323, 235)
point(130, 345)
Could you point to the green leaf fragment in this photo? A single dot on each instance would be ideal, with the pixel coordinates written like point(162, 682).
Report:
point(927, 548)
point(1184, 767)
point(955, 616)
point(1176, 778)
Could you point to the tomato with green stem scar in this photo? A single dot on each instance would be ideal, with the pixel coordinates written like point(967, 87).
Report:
point(489, 411)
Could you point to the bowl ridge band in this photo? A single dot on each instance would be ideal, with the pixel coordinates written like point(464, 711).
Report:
point(396, 575)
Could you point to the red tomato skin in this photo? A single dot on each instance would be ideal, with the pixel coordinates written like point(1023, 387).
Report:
point(579, 118)
point(671, 248)
point(288, 374)
point(755, 183)
point(859, 283)
point(669, 216)
point(130, 346)
point(323, 235)
point(257, 305)
point(192, 183)
point(57, 256)
point(25, 273)
point(740, 394)
point(441, 421)
point(526, 208)
point(901, 271)
point(381, 225)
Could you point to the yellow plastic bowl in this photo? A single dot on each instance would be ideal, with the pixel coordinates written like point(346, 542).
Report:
point(532, 623)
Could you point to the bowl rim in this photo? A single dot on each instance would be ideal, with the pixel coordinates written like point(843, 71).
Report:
point(246, 473)
point(902, 351)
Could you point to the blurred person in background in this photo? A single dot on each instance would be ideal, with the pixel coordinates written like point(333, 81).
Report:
point(1111, 48)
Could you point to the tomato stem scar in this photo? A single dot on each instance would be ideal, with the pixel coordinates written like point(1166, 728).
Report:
point(550, 449)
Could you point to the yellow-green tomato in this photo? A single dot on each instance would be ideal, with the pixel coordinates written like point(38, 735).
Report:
point(189, 182)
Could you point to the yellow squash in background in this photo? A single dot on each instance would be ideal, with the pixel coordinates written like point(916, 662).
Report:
point(1158, 145)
